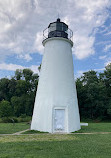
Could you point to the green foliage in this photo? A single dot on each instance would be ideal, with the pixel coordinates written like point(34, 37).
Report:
point(4, 89)
point(27, 73)
point(109, 109)
point(9, 120)
point(23, 104)
point(39, 68)
point(5, 109)
point(17, 94)
point(21, 87)
point(94, 93)
point(12, 88)
point(18, 74)
point(24, 118)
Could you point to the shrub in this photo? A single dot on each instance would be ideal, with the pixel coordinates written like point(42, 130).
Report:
point(24, 119)
point(9, 120)
point(5, 109)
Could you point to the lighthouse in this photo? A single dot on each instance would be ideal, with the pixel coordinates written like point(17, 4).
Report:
point(56, 105)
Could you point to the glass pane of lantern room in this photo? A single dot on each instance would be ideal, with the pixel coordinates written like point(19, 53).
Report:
point(52, 27)
point(59, 26)
point(59, 120)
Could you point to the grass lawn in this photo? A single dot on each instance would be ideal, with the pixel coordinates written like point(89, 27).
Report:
point(34, 132)
point(56, 146)
point(92, 127)
point(8, 128)
point(95, 127)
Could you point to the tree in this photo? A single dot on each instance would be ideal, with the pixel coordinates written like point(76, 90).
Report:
point(18, 104)
point(93, 90)
point(81, 95)
point(27, 74)
point(20, 91)
point(107, 79)
point(5, 109)
point(4, 89)
point(89, 87)
point(21, 87)
point(39, 68)
point(12, 87)
point(109, 109)
point(92, 96)
point(34, 82)
point(89, 77)
point(18, 74)
point(29, 104)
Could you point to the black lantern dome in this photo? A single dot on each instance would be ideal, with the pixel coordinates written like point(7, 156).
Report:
point(58, 29)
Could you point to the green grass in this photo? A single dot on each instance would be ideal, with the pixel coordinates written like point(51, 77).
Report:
point(92, 127)
point(8, 128)
point(34, 132)
point(95, 127)
point(56, 146)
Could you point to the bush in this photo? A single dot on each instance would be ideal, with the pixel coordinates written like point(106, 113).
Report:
point(6, 120)
point(0, 120)
point(9, 120)
point(24, 119)
point(15, 119)
point(23, 116)
point(5, 109)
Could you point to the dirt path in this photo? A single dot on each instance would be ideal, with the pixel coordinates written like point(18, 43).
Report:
point(20, 133)
point(17, 133)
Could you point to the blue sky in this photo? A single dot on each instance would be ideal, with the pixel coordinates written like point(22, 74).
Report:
point(23, 21)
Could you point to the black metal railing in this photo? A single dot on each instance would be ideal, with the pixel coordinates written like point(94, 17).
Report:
point(58, 33)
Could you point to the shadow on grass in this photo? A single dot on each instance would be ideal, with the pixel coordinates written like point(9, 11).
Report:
point(34, 132)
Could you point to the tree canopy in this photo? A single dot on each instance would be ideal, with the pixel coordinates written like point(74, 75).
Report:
point(94, 94)
point(19, 92)
point(17, 95)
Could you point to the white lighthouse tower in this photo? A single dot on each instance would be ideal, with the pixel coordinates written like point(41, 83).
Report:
point(56, 105)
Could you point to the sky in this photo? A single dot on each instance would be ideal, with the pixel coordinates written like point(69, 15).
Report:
point(21, 33)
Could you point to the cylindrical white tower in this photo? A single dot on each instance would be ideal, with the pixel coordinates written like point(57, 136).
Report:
point(56, 105)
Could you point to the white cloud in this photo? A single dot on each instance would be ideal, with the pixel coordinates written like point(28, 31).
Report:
point(38, 42)
point(107, 47)
point(79, 74)
point(107, 62)
point(108, 33)
point(102, 57)
point(10, 67)
point(13, 67)
point(34, 68)
point(101, 69)
point(83, 46)
point(22, 21)
point(27, 57)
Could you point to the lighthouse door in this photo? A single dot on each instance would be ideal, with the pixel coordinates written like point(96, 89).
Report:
point(59, 120)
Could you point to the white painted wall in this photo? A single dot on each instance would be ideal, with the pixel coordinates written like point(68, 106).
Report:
point(56, 88)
